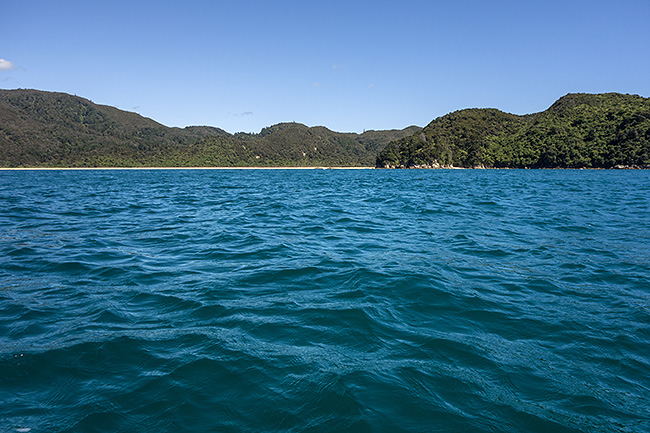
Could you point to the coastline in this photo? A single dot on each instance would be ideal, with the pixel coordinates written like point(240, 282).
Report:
point(617, 168)
point(183, 168)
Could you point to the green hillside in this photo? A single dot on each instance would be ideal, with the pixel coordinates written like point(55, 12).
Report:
point(578, 131)
point(46, 129)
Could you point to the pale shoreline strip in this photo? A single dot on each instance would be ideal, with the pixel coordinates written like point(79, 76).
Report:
point(184, 168)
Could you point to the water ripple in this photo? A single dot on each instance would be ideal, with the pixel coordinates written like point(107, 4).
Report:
point(325, 301)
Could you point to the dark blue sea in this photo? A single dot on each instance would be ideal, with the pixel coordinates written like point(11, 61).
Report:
point(325, 301)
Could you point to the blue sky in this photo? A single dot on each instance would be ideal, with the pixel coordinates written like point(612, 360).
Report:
point(347, 65)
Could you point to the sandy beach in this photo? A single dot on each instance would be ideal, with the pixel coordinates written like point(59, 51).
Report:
point(184, 168)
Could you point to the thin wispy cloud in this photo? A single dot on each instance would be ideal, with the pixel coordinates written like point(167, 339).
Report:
point(6, 65)
point(337, 66)
point(318, 85)
point(245, 113)
point(371, 86)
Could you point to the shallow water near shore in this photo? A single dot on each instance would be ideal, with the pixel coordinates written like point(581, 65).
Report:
point(320, 300)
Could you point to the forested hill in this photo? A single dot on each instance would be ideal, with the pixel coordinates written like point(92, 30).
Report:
point(45, 129)
point(577, 131)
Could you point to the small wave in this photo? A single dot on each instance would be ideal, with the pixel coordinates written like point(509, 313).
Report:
point(294, 300)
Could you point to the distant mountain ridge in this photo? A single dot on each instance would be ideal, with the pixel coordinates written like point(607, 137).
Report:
point(49, 129)
point(579, 130)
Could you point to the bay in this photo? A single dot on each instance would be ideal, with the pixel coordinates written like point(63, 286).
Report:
point(325, 300)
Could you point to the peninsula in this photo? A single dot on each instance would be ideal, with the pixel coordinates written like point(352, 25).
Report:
point(578, 131)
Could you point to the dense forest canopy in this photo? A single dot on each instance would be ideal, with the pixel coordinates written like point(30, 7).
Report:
point(45, 129)
point(577, 131)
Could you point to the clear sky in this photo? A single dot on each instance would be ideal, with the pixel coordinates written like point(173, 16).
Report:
point(348, 65)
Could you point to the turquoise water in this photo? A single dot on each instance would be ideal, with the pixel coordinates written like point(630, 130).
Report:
point(338, 300)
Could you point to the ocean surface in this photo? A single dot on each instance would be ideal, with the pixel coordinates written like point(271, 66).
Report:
point(325, 301)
